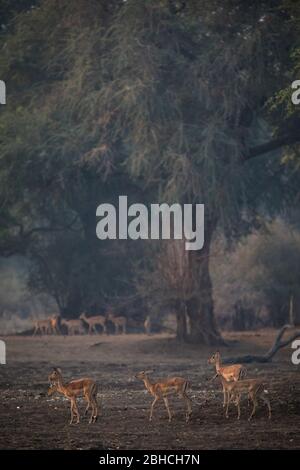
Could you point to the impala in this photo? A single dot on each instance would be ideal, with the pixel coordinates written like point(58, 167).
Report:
point(254, 388)
point(73, 326)
point(93, 321)
point(119, 322)
point(54, 323)
point(175, 385)
point(42, 326)
point(230, 373)
point(71, 390)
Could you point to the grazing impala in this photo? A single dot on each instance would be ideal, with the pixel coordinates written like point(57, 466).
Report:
point(120, 323)
point(73, 326)
point(86, 387)
point(42, 326)
point(229, 373)
point(254, 388)
point(159, 390)
point(94, 321)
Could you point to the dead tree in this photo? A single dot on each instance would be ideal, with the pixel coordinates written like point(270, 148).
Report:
point(277, 345)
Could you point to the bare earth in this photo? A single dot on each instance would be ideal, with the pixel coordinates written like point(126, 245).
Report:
point(31, 420)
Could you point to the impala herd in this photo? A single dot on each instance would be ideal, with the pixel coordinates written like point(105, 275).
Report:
point(52, 324)
point(231, 377)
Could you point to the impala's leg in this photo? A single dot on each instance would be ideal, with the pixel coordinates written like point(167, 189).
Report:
point(76, 411)
point(91, 400)
point(72, 411)
point(104, 329)
point(238, 404)
point(254, 400)
point(227, 404)
point(87, 398)
point(225, 396)
point(87, 409)
point(267, 402)
point(93, 410)
point(188, 403)
point(152, 407)
point(166, 402)
point(35, 331)
point(94, 401)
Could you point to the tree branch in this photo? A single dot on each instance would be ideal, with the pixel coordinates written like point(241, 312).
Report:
point(278, 142)
point(277, 345)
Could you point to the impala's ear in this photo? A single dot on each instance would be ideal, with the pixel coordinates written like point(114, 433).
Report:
point(148, 371)
point(57, 369)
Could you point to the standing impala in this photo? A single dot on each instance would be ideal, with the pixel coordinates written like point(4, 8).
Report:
point(54, 322)
point(73, 326)
point(120, 323)
point(42, 326)
point(71, 390)
point(158, 390)
point(93, 322)
point(254, 388)
point(229, 373)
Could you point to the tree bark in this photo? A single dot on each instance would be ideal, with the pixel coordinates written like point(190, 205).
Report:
point(200, 306)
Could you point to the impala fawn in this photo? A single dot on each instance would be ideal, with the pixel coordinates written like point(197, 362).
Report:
point(93, 321)
point(161, 389)
point(85, 386)
point(120, 323)
point(254, 388)
point(229, 373)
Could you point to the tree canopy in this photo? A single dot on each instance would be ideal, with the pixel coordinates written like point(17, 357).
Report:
point(169, 101)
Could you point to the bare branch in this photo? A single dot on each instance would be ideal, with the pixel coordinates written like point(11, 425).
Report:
point(277, 345)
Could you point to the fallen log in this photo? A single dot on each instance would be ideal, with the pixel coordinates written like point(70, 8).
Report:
point(277, 345)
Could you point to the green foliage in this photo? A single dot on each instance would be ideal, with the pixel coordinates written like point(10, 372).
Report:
point(261, 274)
point(148, 99)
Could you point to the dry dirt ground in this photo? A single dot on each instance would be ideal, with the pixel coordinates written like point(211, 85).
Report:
point(29, 419)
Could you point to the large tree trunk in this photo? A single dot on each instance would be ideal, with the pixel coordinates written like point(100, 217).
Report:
point(200, 306)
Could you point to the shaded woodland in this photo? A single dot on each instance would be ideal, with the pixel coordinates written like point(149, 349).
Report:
point(165, 101)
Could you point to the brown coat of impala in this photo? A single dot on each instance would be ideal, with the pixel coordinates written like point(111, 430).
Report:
point(255, 390)
point(42, 326)
point(73, 326)
point(175, 385)
point(96, 320)
point(230, 373)
point(119, 322)
point(71, 390)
